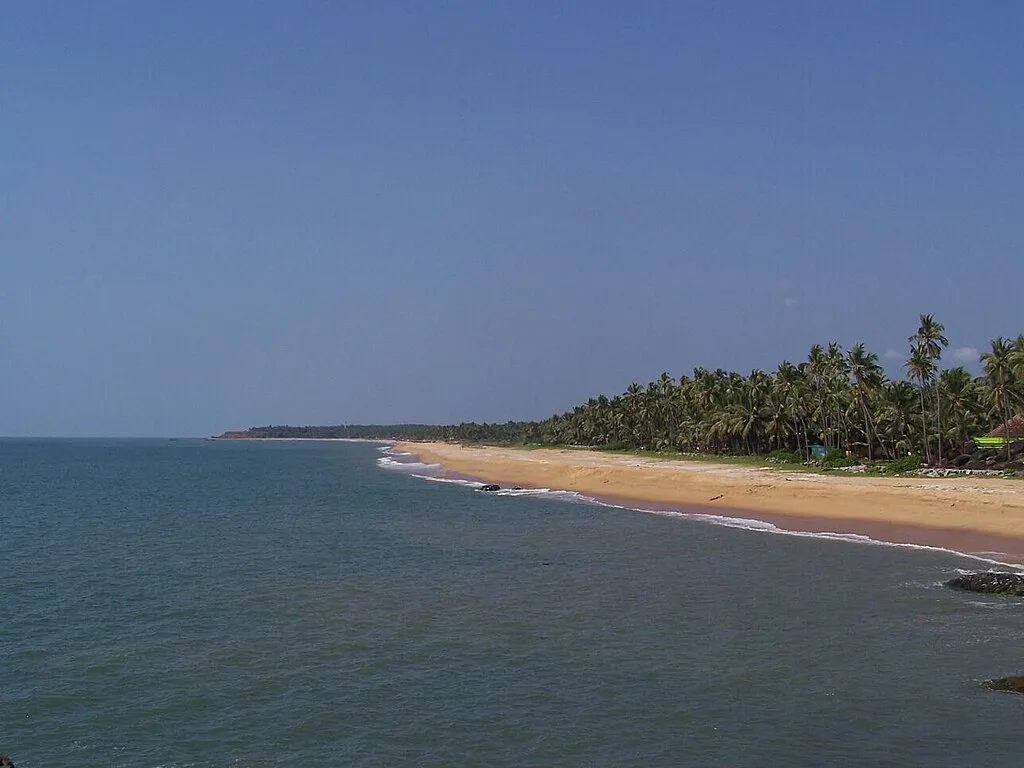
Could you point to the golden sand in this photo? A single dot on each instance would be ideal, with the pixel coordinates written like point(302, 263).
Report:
point(964, 513)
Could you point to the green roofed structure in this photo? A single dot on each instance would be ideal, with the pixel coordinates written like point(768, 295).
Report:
point(1010, 432)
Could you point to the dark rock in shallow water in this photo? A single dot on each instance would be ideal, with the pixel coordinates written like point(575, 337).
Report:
point(990, 582)
point(491, 487)
point(6, 762)
point(1012, 684)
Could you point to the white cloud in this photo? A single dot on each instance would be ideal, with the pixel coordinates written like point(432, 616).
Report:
point(966, 355)
point(892, 354)
point(789, 301)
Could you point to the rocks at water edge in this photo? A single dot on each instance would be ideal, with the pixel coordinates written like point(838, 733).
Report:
point(1011, 684)
point(6, 762)
point(490, 488)
point(990, 583)
point(994, 583)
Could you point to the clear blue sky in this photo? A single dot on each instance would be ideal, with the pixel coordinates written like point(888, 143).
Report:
point(221, 214)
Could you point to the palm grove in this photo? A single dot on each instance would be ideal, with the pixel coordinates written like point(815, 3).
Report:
point(839, 398)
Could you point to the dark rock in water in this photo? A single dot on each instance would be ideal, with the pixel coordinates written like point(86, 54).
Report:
point(6, 762)
point(491, 487)
point(990, 582)
point(1012, 684)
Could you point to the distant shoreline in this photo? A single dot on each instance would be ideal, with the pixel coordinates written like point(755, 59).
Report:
point(972, 515)
point(222, 438)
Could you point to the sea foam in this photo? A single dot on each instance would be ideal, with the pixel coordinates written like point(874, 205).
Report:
point(406, 466)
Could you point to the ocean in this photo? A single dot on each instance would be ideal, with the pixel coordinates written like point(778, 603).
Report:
point(213, 604)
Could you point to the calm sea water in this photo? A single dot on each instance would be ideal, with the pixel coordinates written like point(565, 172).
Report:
point(188, 603)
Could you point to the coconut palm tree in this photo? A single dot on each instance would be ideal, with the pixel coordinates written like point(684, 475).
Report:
point(791, 386)
point(817, 367)
point(834, 396)
point(921, 368)
point(868, 377)
point(930, 340)
point(837, 385)
point(897, 401)
point(998, 365)
point(1017, 365)
point(962, 398)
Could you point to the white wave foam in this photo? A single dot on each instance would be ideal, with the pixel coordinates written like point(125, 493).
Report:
point(452, 480)
point(546, 493)
point(763, 526)
point(390, 450)
point(406, 466)
point(850, 538)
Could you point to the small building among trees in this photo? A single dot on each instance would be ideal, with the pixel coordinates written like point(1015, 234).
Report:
point(1008, 432)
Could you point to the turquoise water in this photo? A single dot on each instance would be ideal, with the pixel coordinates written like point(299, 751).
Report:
point(189, 603)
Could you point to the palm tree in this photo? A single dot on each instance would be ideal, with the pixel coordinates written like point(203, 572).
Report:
point(930, 339)
point(897, 402)
point(868, 377)
point(816, 369)
point(1017, 365)
point(999, 373)
point(836, 387)
point(921, 368)
point(790, 384)
point(632, 413)
point(961, 393)
point(834, 396)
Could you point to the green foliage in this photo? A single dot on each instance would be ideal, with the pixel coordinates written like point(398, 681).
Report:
point(839, 400)
point(613, 448)
point(836, 459)
point(783, 456)
point(903, 464)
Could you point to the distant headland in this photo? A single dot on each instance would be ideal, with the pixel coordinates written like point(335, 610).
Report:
point(415, 432)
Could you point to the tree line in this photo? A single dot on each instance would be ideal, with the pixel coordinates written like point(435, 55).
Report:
point(841, 399)
point(838, 398)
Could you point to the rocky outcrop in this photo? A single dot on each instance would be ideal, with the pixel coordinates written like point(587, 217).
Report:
point(954, 472)
point(6, 762)
point(490, 488)
point(1011, 684)
point(993, 460)
point(990, 583)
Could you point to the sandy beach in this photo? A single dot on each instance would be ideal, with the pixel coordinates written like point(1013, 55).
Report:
point(966, 514)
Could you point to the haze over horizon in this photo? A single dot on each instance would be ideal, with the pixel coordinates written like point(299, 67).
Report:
point(232, 214)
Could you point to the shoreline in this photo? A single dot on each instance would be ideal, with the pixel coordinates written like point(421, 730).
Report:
point(980, 517)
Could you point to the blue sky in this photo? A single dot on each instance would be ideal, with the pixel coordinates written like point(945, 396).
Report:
point(221, 214)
